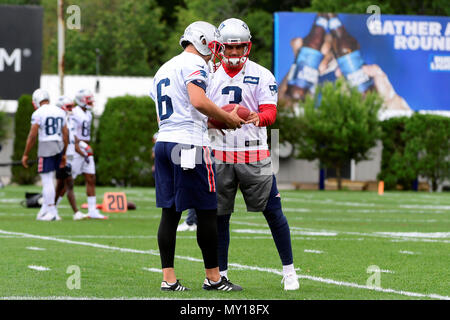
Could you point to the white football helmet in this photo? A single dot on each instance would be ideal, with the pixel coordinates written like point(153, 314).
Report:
point(204, 37)
point(65, 103)
point(234, 32)
point(39, 95)
point(84, 98)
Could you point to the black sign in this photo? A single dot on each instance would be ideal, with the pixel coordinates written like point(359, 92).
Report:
point(20, 50)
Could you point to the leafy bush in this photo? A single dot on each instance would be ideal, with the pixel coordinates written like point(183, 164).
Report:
point(22, 124)
point(428, 147)
point(4, 123)
point(393, 168)
point(419, 145)
point(124, 144)
point(336, 125)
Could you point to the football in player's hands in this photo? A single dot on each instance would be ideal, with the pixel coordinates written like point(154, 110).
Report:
point(242, 112)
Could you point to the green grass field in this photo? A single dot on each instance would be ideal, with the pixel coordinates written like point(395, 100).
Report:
point(336, 236)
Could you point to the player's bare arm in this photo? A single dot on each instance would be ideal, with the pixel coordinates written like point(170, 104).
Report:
point(31, 141)
point(65, 134)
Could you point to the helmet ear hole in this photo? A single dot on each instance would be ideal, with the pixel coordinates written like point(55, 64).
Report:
point(184, 44)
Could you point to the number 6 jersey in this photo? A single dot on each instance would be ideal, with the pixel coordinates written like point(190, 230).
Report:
point(180, 122)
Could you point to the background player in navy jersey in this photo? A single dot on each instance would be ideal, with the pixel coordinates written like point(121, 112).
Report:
point(184, 171)
point(242, 156)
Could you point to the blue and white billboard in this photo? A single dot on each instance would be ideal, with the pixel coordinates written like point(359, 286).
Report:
point(405, 58)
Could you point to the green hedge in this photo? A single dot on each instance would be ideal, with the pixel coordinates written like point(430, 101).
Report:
point(22, 124)
point(4, 123)
point(123, 145)
point(415, 146)
point(428, 147)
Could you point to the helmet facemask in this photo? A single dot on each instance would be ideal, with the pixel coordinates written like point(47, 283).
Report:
point(68, 107)
point(234, 62)
point(89, 102)
point(217, 50)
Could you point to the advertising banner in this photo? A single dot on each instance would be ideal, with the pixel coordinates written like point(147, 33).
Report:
point(406, 59)
point(20, 50)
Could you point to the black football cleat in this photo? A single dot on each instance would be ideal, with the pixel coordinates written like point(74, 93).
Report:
point(177, 286)
point(223, 285)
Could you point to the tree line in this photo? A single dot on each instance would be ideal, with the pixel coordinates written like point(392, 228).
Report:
point(135, 37)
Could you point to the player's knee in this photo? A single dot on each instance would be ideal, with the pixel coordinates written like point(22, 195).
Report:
point(275, 217)
point(90, 179)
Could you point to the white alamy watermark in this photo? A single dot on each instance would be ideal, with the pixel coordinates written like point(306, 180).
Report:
point(74, 280)
point(374, 281)
point(374, 21)
point(189, 156)
point(74, 20)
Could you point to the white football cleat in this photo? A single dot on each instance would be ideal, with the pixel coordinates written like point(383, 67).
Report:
point(291, 281)
point(47, 216)
point(186, 227)
point(41, 212)
point(96, 215)
point(40, 215)
point(79, 216)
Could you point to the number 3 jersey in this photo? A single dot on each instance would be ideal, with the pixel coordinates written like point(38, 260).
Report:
point(251, 87)
point(82, 121)
point(179, 121)
point(51, 120)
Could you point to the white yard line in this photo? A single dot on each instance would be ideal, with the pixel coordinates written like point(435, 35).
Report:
point(152, 270)
point(427, 207)
point(90, 236)
point(36, 249)
point(386, 271)
point(407, 252)
point(39, 268)
point(312, 251)
point(293, 232)
point(255, 268)
point(432, 235)
point(405, 236)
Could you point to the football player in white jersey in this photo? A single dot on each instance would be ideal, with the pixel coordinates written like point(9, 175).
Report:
point(242, 156)
point(184, 171)
point(48, 124)
point(64, 179)
point(83, 161)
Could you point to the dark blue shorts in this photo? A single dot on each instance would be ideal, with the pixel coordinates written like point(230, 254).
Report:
point(192, 188)
point(49, 164)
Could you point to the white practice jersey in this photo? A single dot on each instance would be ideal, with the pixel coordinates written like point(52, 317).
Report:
point(253, 86)
point(51, 120)
point(180, 122)
point(71, 126)
point(82, 121)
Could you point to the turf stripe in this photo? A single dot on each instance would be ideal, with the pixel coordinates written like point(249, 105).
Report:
point(39, 268)
point(245, 267)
